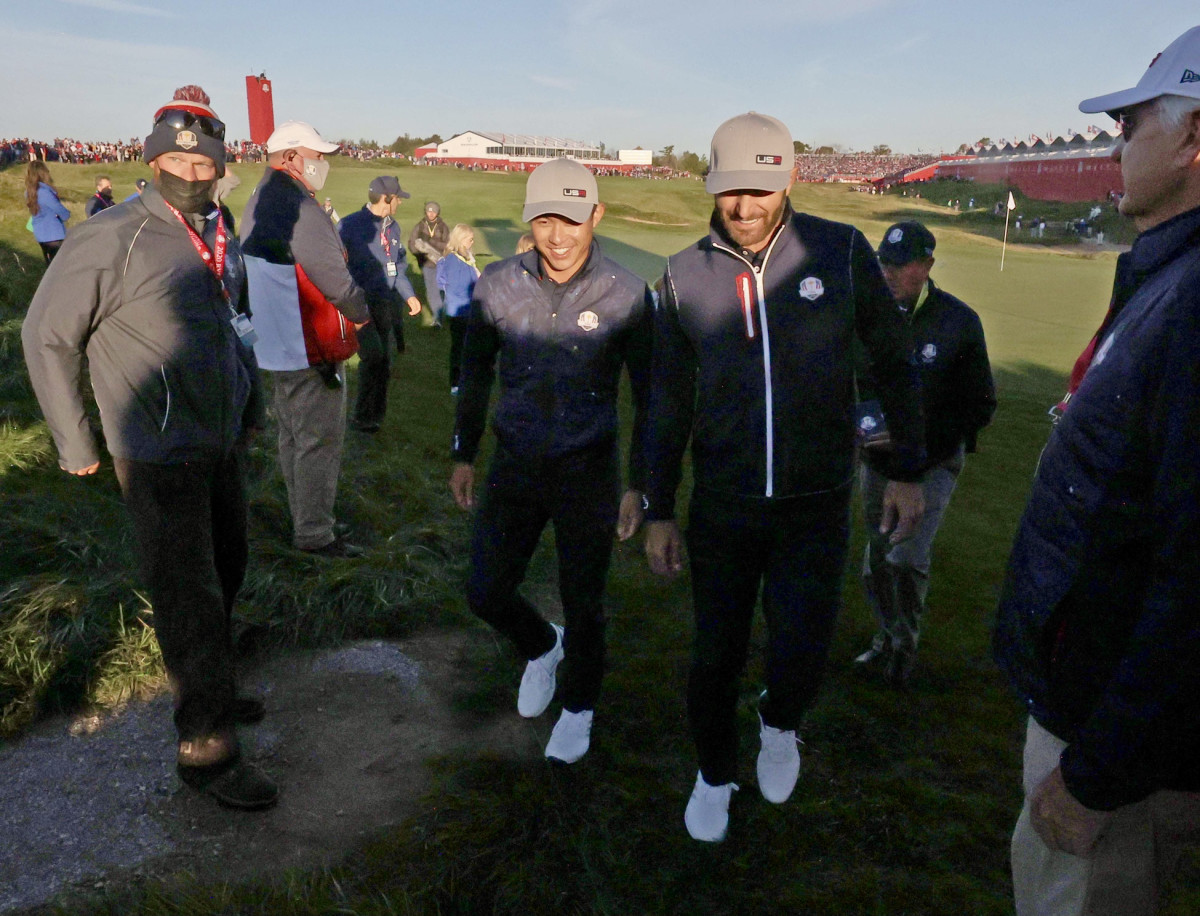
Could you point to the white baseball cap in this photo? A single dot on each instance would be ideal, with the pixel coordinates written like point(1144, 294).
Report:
point(750, 152)
point(293, 134)
point(562, 187)
point(1176, 71)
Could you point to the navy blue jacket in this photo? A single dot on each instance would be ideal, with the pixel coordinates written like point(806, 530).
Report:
point(559, 353)
point(1099, 622)
point(363, 233)
point(756, 365)
point(958, 397)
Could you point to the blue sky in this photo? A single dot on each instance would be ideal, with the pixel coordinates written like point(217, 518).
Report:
point(918, 75)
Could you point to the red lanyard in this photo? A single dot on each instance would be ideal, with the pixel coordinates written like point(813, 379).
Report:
point(384, 240)
point(215, 259)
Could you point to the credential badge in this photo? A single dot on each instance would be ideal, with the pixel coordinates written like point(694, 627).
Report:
point(588, 321)
point(812, 288)
point(185, 139)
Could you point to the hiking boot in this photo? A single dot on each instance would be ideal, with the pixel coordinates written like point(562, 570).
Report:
point(571, 737)
point(778, 762)
point(707, 814)
point(234, 784)
point(876, 657)
point(337, 549)
point(248, 710)
point(900, 666)
point(538, 682)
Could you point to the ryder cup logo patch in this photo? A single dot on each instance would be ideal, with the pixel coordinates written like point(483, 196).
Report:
point(866, 424)
point(811, 288)
point(574, 192)
point(895, 236)
point(588, 321)
point(929, 353)
point(185, 139)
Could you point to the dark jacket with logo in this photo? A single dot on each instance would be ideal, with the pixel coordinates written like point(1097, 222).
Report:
point(755, 365)
point(559, 353)
point(436, 235)
point(363, 234)
point(958, 397)
point(172, 380)
point(1099, 621)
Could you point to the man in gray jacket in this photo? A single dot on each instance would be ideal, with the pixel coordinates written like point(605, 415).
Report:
point(154, 295)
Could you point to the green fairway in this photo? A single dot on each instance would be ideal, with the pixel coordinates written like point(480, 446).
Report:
point(906, 800)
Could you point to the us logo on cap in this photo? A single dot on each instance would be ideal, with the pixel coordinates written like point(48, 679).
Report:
point(761, 159)
point(185, 139)
point(574, 192)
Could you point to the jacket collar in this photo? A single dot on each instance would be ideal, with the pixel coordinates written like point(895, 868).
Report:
point(1155, 247)
point(718, 238)
point(531, 261)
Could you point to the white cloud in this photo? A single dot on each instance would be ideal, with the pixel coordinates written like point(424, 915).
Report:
point(120, 6)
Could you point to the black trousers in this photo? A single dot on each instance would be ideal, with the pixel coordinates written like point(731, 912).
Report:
point(458, 333)
point(580, 495)
point(374, 367)
point(796, 550)
point(190, 526)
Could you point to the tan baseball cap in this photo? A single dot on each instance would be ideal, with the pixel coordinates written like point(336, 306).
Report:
point(750, 152)
point(562, 187)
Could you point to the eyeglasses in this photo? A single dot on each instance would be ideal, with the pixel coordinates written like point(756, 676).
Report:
point(179, 118)
point(1128, 121)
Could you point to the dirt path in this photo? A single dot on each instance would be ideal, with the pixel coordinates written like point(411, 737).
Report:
point(347, 734)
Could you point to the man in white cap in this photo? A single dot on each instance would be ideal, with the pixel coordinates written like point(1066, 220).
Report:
point(559, 323)
point(1097, 626)
point(297, 271)
point(753, 363)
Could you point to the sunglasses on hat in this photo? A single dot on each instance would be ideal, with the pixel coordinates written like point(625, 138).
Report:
point(179, 118)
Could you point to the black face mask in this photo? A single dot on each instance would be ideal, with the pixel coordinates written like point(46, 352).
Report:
point(185, 196)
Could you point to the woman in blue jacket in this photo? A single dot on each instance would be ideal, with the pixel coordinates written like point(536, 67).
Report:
point(456, 276)
point(48, 216)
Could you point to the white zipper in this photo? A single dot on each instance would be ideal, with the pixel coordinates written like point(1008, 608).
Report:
point(769, 396)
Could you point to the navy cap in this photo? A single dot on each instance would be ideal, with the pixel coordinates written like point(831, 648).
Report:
point(387, 186)
point(906, 242)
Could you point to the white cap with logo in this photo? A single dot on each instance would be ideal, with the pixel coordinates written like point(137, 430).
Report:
point(751, 152)
point(1176, 71)
point(294, 134)
point(562, 187)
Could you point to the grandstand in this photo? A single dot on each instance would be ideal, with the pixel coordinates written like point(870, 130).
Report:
point(520, 152)
point(1078, 169)
point(858, 168)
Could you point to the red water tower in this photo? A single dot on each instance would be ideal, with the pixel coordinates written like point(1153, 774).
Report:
point(261, 106)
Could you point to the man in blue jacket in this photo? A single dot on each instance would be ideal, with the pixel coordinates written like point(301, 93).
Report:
point(753, 363)
point(1098, 626)
point(558, 323)
point(376, 259)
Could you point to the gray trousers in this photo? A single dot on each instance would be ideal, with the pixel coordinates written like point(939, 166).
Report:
point(1131, 865)
point(433, 295)
point(312, 427)
point(896, 576)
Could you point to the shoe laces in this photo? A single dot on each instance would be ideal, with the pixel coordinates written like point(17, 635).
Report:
point(777, 743)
